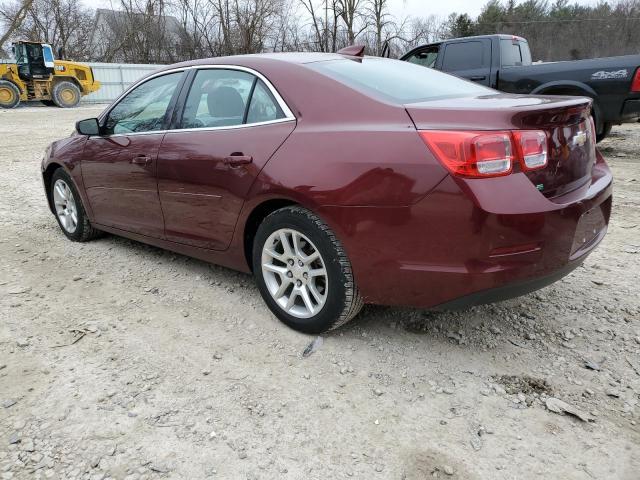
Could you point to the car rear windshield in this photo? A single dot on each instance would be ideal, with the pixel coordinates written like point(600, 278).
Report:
point(514, 53)
point(397, 81)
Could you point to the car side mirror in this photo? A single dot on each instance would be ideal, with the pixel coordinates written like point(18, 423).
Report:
point(90, 126)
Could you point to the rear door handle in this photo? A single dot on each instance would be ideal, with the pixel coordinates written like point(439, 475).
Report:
point(477, 78)
point(141, 160)
point(237, 159)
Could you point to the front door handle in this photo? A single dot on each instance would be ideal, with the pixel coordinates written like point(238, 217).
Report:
point(237, 159)
point(478, 78)
point(141, 160)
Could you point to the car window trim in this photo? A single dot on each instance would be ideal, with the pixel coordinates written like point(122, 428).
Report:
point(170, 108)
point(249, 100)
point(288, 114)
point(185, 86)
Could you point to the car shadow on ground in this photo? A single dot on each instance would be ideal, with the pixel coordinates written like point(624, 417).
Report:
point(496, 327)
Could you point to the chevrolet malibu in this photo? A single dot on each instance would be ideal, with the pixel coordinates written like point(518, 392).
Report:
point(339, 180)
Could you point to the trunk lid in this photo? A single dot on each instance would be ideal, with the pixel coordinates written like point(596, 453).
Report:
point(565, 120)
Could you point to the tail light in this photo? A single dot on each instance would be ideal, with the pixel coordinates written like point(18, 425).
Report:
point(533, 148)
point(472, 154)
point(635, 84)
point(487, 154)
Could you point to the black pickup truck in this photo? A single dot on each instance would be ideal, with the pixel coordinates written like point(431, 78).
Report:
point(504, 62)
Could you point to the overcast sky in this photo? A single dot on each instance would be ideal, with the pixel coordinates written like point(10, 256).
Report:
point(403, 8)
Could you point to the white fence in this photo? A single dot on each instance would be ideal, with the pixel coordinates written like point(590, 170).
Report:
point(115, 79)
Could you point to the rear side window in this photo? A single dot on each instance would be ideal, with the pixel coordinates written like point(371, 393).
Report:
point(263, 107)
point(463, 56)
point(217, 98)
point(514, 54)
point(227, 98)
point(397, 81)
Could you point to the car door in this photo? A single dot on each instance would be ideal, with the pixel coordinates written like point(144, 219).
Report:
point(468, 59)
point(119, 166)
point(230, 124)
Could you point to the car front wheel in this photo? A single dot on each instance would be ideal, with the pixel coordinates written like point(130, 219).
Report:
point(303, 272)
point(68, 208)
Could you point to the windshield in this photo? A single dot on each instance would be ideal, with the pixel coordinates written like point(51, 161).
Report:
point(397, 81)
point(20, 54)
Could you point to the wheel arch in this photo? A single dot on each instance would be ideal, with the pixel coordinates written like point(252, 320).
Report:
point(567, 87)
point(14, 83)
point(581, 89)
point(66, 78)
point(255, 218)
point(47, 175)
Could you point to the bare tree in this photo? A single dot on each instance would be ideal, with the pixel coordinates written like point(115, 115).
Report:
point(65, 24)
point(13, 18)
point(351, 12)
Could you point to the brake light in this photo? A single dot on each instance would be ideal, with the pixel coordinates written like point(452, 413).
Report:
point(533, 147)
point(472, 154)
point(635, 84)
point(487, 154)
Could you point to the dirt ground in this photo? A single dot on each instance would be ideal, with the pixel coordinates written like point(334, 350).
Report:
point(123, 361)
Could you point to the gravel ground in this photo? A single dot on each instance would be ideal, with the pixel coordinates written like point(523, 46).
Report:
point(119, 360)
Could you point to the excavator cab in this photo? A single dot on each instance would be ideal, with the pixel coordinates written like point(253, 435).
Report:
point(35, 75)
point(34, 60)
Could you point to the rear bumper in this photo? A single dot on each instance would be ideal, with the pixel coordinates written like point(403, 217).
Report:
point(508, 291)
point(470, 242)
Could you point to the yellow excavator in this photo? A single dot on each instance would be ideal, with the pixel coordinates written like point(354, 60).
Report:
point(36, 75)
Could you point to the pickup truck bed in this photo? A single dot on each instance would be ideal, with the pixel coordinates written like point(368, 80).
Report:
point(504, 62)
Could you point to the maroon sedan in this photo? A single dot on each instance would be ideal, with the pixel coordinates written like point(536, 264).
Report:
point(340, 180)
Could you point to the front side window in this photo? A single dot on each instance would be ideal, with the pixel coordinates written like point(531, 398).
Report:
point(227, 98)
point(144, 108)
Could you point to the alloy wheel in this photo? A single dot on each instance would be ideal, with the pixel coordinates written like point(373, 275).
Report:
point(294, 273)
point(65, 205)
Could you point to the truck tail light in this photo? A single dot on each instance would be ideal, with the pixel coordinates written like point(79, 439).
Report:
point(487, 154)
point(635, 84)
point(472, 154)
point(533, 148)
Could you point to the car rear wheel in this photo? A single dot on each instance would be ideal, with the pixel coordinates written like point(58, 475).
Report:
point(9, 95)
point(606, 130)
point(303, 272)
point(69, 210)
point(65, 94)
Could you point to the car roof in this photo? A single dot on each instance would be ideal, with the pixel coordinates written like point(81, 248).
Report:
point(476, 37)
point(298, 58)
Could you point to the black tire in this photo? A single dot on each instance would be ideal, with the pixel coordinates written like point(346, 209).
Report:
point(343, 301)
point(65, 94)
point(9, 95)
point(606, 130)
point(83, 231)
point(48, 103)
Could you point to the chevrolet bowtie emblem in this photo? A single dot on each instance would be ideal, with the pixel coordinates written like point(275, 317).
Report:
point(580, 138)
